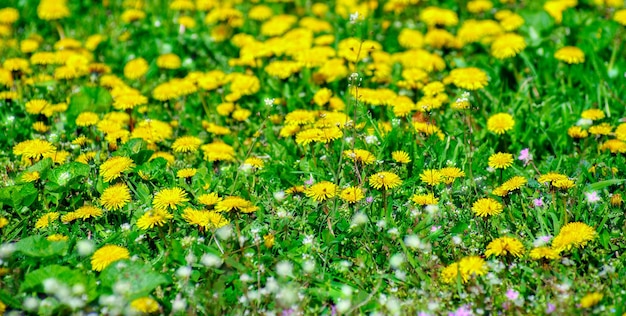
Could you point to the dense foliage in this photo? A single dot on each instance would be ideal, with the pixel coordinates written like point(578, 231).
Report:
point(290, 157)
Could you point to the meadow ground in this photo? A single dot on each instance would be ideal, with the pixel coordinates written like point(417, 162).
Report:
point(233, 157)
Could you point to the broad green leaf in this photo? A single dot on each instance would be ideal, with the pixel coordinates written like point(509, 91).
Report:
point(33, 281)
point(606, 183)
point(64, 176)
point(141, 278)
point(38, 246)
point(93, 99)
point(19, 195)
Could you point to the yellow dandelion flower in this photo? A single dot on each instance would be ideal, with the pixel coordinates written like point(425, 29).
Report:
point(268, 240)
point(136, 68)
point(577, 132)
point(551, 177)
point(30, 176)
point(450, 273)
point(69, 217)
point(205, 219)
point(507, 46)
point(500, 160)
point(45, 220)
point(620, 17)
point(87, 212)
point(235, 203)
point(146, 305)
point(36, 106)
point(321, 191)
point(487, 207)
point(115, 197)
point(593, 114)
point(472, 266)
point(431, 177)
point(570, 55)
point(505, 246)
point(449, 174)
point(254, 162)
point(106, 255)
point(544, 253)
point(169, 61)
point(169, 198)
point(34, 149)
point(400, 157)
point(87, 119)
point(361, 156)
point(616, 199)
point(114, 167)
point(209, 199)
point(591, 299)
point(3, 222)
point(424, 199)
point(52, 10)
point(351, 194)
point(186, 173)
point(152, 218)
point(469, 78)
point(564, 184)
point(500, 123)
point(385, 180)
point(574, 234)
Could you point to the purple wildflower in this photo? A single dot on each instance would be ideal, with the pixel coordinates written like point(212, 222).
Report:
point(512, 294)
point(462, 311)
point(525, 156)
point(592, 197)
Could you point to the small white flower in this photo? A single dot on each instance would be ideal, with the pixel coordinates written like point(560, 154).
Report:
point(245, 278)
point(584, 122)
point(412, 241)
point(284, 269)
point(457, 240)
point(85, 247)
point(184, 272)
point(358, 219)
point(343, 306)
point(6, 250)
point(346, 290)
point(279, 196)
point(31, 304)
point(371, 139)
point(354, 17)
point(308, 266)
point(211, 260)
point(308, 240)
point(224, 232)
point(178, 304)
point(396, 260)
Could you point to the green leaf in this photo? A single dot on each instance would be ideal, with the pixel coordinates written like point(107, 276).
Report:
point(38, 246)
point(10, 300)
point(606, 183)
point(66, 175)
point(19, 195)
point(33, 281)
point(93, 99)
point(604, 239)
point(459, 228)
point(42, 166)
point(141, 278)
